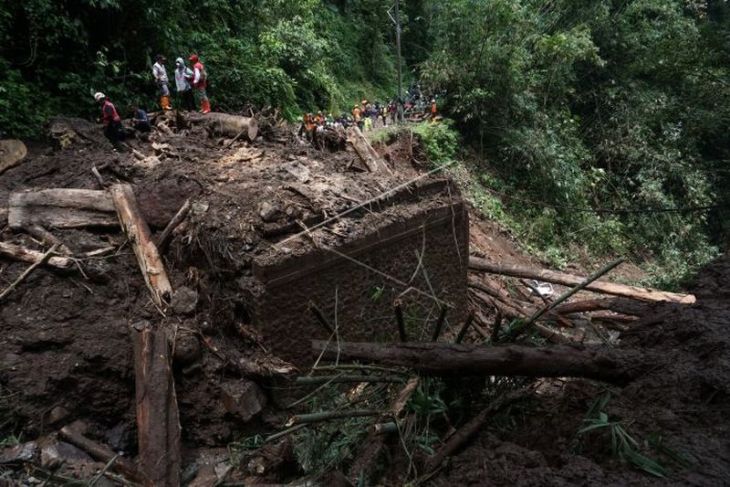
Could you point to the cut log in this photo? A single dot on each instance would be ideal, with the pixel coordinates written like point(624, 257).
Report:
point(365, 151)
point(617, 305)
point(12, 152)
point(604, 287)
point(608, 365)
point(100, 452)
point(61, 208)
point(22, 254)
point(146, 251)
point(226, 124)
point(158, 422)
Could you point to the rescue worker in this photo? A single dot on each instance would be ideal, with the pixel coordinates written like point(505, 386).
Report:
point(357, 116)
point(200, 83)
point(140, 120)
point(160, 74)
point(111, 120)
point(183, 76)
point(319, 119)
point(434, 109)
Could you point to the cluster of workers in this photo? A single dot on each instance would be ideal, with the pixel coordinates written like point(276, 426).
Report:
point(190, 84)
point(364, 115)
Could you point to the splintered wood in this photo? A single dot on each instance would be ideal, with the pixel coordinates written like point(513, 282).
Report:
point(61, 208)
point(139, 235)
point(158, 421)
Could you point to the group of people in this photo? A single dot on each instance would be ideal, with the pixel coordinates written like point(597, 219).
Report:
point(190, 83)
point(366, 116)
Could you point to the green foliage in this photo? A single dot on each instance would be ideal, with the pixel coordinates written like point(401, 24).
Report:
point(622, 444)
point(592, 105)
point(440, 141)
point(294, 55)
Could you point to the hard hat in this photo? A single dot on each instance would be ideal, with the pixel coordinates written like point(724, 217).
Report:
point(193, 58)
point(99, 96)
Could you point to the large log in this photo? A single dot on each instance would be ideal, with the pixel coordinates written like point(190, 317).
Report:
point(226, 124)
point(139, 235)
point(12, 152)
point(365, 151)
point(608, 365)
point(61, 208)
point(22, 254)
point(641, 294)
point(617, 305)
point(158, 422)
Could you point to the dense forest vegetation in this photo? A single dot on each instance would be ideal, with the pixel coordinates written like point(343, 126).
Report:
point(594, 123)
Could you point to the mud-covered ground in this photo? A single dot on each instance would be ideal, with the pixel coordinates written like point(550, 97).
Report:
point(677, 413)
point(65, 353)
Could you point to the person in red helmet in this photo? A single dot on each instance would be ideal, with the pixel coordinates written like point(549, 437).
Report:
point(200, 83)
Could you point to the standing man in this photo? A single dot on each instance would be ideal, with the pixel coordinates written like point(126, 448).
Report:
point(183, 76)
point(200, 83)
point(160, 74)
point(357, 116)
point(111, 120)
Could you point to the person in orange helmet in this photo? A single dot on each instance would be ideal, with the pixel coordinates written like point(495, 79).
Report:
point(200, 83)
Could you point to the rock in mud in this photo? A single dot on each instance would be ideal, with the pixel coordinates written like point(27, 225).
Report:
point(269, 212)
point(19, 453)
point(243, 398)
point(184, 301)
point(59, 452)
point(187, 349)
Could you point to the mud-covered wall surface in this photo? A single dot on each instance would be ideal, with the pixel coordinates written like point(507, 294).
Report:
point(416, 255)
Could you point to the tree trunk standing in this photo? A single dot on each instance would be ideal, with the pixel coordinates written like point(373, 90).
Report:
point(608, 365)
point(642, 294)
point(139, 235)
point(158, 422)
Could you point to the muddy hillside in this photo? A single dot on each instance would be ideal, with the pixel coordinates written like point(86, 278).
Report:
point(227, 303)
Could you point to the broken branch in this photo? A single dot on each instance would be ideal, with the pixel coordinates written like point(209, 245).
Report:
point(27, 272)
point(641, 294)
point(608, 365)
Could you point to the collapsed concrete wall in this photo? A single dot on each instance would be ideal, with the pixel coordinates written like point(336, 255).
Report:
point(416, 252)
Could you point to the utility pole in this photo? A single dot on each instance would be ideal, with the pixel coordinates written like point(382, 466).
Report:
point(396, 21)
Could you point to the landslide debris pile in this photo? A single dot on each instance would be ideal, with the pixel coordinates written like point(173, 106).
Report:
point(76, 331)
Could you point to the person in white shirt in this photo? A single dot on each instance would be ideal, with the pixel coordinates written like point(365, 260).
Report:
point(183, 75)
point(160, 74)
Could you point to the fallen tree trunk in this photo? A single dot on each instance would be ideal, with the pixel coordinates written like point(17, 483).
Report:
point(22, 254)
point(12, 152)
point(61, 208)
point(608, 365)
point(617, 305)
point(365, 151)
point(158, 422)
point(641, 294)
point(139, 235)
point(226, 124)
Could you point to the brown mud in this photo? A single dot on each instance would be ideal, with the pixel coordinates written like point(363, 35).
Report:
point(65, 352)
